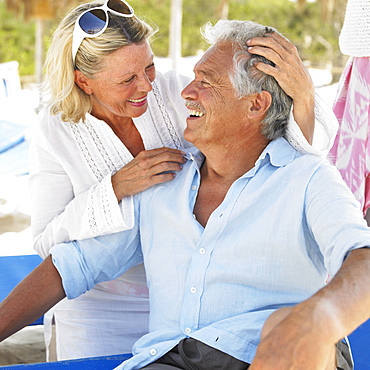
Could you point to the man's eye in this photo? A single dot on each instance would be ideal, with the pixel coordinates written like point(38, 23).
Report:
point(150, 66)
point(129, 80)
point(205, 83)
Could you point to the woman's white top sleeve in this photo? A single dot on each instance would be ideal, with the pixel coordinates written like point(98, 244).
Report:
point(326, 127)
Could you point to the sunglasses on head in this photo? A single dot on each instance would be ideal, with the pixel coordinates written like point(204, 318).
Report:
point(93, 22)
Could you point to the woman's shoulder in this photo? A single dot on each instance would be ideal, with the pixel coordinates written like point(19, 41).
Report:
point(50, 125)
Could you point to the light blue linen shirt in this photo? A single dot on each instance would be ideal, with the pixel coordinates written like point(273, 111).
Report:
point(281, 229)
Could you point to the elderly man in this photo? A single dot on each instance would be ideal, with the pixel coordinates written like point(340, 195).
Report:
point(249, 226)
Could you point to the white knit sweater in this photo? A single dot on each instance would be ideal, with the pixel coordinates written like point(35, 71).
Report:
point(354, 39)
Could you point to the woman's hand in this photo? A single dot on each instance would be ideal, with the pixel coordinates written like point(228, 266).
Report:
point(148, 168)
point(291, 74)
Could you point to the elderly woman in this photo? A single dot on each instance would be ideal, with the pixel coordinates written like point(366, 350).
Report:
point(111, 128)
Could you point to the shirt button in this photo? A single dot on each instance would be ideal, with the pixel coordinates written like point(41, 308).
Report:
point(187, 330)
point(153, 352)
point(193, 289)
point(202, 250)
point(194, 187)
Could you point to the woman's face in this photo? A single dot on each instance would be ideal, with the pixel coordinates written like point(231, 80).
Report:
point(121, 89)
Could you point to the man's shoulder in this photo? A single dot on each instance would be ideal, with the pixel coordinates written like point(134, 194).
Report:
point(282, 153)
point(303, 165)
point(182, 178)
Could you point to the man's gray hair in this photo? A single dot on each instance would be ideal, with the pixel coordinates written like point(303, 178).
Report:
point(246, 79)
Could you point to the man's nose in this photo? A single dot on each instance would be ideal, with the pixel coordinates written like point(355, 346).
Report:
point(189, 91)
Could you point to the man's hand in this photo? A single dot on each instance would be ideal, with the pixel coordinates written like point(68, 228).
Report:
point(291, 74)
point(303, 336)
point(290, 341)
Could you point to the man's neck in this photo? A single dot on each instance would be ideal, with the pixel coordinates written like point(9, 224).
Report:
point(220, 170)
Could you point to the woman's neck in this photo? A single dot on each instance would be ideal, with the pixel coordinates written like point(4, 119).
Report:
point(125, 129)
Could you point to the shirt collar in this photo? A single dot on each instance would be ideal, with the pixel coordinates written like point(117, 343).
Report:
point(195, 155)
point(278, 152)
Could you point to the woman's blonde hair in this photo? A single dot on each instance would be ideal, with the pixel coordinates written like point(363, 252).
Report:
point(62, 96)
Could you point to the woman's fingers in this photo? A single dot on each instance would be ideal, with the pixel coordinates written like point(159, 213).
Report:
point(291, 74)
point(148, 168)
point(289, 70)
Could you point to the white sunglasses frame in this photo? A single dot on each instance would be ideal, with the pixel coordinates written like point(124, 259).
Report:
point(79, 34)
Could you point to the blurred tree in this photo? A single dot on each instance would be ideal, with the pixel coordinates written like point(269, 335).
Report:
point(17, 40)
point(223, 9)
point(300, 20)
point(39, 11)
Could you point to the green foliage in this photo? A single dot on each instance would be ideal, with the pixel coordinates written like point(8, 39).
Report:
point(317, 41)
point(156, 13)
point(17, 40)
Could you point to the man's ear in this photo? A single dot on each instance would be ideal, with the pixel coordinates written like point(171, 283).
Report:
point(259, 104)
point(83, 82)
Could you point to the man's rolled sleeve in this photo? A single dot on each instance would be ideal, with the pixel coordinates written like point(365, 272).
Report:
point(83, 264)
point(334, 217)
point(76, 278)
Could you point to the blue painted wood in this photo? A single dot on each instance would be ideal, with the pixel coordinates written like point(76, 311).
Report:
point(93, 363)
point(14, 161)
point(360, 346)
point(12, 270)
point(11, 134)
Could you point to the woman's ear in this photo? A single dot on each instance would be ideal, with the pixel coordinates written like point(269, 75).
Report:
point(259, 104)
point(83, 82)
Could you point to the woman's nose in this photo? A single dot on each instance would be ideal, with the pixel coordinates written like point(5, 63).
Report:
point(145, 84)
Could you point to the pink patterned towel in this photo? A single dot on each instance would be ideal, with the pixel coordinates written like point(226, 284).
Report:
point(351, 149)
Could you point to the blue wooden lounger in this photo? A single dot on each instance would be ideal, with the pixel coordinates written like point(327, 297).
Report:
point(360, 345)
point(13, 149)
point(93, 363)
point(12, 270)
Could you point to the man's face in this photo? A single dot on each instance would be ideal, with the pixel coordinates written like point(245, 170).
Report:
point(215, 113)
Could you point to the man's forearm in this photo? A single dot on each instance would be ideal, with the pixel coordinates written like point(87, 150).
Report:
point(347, 296)
point(309, 330)
point(31, 298)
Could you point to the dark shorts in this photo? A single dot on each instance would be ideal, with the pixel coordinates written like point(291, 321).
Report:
point(191, 354)
point(344, 357)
